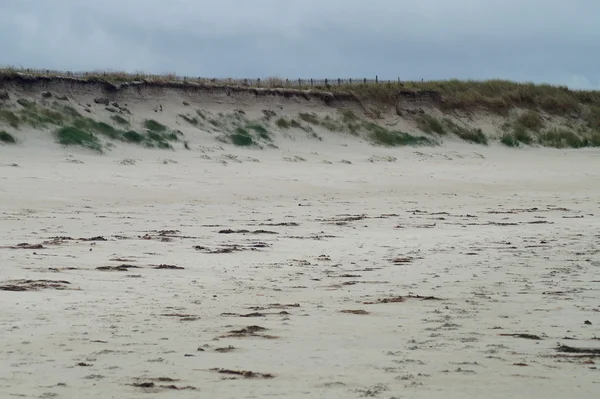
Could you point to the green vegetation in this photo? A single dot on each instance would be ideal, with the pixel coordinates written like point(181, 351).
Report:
point(154, 126)
point(201, 114)
point(25, 103)
point(492, 95)
point(41, 118)
point(309, 118)
point(509, 140)
point(70, 135)
point(283, 123)
point(389, 138)
point(529, 121)
point(10, 118)
point(562, 138)
point(91, 126)
point(120, 120)
point(241, 137)
point(7, 138)
point(260, 130)
point(521, 135)
point(67, 109)
point(192, 121)
point(430, 124)
point(133, 137)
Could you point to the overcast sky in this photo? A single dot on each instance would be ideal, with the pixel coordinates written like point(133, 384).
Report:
point(554, 41)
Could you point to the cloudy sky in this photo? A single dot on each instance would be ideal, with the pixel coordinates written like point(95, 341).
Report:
point(554, 41)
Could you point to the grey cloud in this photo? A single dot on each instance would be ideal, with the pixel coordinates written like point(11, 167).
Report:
point(542, 41)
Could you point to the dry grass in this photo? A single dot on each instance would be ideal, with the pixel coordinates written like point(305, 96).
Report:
point(494, 95)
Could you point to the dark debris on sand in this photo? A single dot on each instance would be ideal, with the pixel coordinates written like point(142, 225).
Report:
point(244, 373)
point(34, 285)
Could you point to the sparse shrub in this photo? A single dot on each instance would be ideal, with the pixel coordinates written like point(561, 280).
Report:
point(105, 129)
point(133, 137)
point(594, 140)
point(155, 136)
point(10, 117)
point(474, 136)
point(186, 144)
point(560, 138)
point(509, 140)
point(268, 114)
point(283, 123)
point(430, 124)
point(120, 120)
point(348, 116)
point(201, 114)
point(241, 138)
point(465, 133)
point(191, 121)
point(309, 118)
point(68, 110)
point(41, 118)
point(164, 145)
point(260, 130)
point(70, 135)
point(25, 103)
point(154, 126)
point(522, 135)
point(7, 138)
point(171, 137)
point(329, 124)
point(382, 136)
point(593, 117)
point(530, 120)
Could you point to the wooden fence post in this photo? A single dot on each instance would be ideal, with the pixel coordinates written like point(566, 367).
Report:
point(258, 82)
point(311, 82)
point(339, 82)
point(350, 80)
point(299, 83)
point(365, 81)
point(325, 81)
point(376, 79)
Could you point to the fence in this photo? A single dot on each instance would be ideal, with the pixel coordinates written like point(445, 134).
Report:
point(268, 82)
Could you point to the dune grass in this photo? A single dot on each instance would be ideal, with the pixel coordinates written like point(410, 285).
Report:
point(429, 124)
point(241, 137)
point(562, 138)
point(191, 120)
point(119, 120)
point(132, 136)
point(70, 135)
point(6, 137)
point(260, 130)
point(154, 126)
point(389, 138)
point(10, 118)
point(509, 140)
point(494, 95)
point(529, 121)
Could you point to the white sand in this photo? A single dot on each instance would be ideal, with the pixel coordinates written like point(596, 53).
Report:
point(523, 270)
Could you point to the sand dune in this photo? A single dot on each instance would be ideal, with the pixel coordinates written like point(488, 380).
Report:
point(296, 267)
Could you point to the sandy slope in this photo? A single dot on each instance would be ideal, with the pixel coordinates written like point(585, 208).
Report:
point(505, 240)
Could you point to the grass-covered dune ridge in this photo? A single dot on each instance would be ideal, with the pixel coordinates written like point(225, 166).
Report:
point(496, 95)
point(91, 110)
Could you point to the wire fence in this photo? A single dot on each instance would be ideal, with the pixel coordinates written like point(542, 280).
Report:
point(266, 82)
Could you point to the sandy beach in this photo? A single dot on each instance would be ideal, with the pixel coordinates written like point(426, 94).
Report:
point(191, 242)
point(443, 272)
